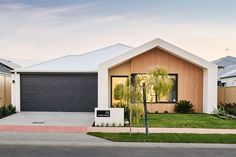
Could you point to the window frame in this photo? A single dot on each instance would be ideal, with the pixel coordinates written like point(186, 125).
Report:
point(124, 76)
point(163, 102)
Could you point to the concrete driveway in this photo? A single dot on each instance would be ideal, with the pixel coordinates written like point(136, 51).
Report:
point(49, 119)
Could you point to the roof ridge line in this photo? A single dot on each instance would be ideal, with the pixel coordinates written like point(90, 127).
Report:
point(94, 51)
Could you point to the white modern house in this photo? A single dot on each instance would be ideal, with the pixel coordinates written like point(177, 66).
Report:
point(86, 83)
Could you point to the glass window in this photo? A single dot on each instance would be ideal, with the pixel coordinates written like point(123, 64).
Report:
point(152, 97)
point(118, 85)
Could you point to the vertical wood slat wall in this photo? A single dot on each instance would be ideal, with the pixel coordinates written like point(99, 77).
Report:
point(190, 76)
point(5, 89)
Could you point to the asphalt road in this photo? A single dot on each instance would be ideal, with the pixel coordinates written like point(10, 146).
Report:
point(82, 151)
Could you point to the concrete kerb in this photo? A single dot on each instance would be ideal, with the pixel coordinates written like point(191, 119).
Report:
point(120, 144)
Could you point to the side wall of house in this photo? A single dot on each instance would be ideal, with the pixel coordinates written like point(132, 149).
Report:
point(190, 77)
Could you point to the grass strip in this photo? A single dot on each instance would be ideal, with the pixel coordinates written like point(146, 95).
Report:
point(167, 137)
point(187, 121)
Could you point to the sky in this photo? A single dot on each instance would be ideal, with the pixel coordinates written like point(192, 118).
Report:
point(32, 31)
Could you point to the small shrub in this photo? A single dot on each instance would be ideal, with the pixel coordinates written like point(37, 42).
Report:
point(156, 112)
point(113, 124)
point(137, 112)
point(166, 111)
point(219, 111)
point(230, 108)
point(184, 106)
point(107, 124)
point(7, 110)
point(102, 124)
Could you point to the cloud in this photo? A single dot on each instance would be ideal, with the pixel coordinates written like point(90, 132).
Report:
point(113, 18)
point(35, 31)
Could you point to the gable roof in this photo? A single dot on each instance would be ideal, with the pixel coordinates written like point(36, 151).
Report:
point(9, 64)
point(225, 61)
point(178, 52)
point(87, 62)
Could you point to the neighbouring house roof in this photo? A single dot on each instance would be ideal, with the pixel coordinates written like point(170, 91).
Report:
point(187, 56)
point(87, 62)
point(225, 61)
point(229, 74)
point(226, 67)
point(9, 64)
point(227, 71)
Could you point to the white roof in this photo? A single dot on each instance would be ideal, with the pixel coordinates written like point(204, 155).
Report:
point(9, 64)
point(87, 62)
point(162, 45)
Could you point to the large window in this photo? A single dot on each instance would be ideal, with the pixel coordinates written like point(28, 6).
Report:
point(119, 85)
point(153, 97)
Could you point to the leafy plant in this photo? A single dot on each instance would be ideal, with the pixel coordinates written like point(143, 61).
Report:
point(226, 111)
point(219, 111)
point(119, 91)
point(137, 113)
point(230, 108)
point(184, 106)
point(161, 82)
point(7, 110)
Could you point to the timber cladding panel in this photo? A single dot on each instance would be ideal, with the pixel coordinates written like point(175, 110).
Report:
point(5, 89)
point(190, 76)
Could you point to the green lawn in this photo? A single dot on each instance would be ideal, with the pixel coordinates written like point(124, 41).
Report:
point(187, 121)
point(164, 137)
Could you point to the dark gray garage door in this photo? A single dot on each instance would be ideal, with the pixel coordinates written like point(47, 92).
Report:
point(59, 92)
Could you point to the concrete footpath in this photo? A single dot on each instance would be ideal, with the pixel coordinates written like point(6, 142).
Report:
point(162, 130)
point(84, 129)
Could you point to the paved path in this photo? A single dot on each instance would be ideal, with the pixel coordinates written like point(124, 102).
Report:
point(83, 129)
point(39, 128)
point(33, 137)
point(163, 130)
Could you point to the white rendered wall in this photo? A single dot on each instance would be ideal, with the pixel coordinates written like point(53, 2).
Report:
point(116, 117)
point(103, 88)
point(15, 91)
point(209, 89)
point(116, 114)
